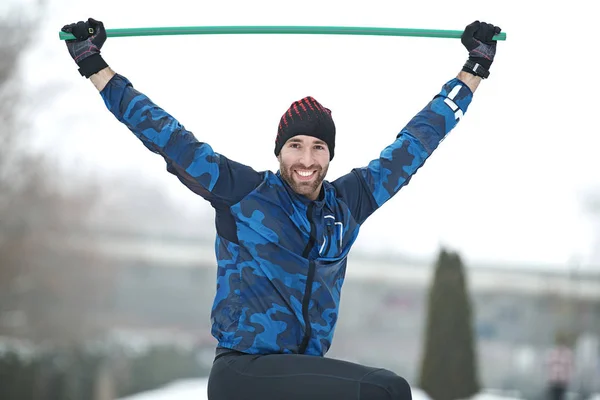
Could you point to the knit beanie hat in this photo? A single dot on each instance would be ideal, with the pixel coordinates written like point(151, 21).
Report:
point(306, 117)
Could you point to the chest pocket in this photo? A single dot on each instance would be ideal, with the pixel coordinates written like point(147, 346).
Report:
point(331, 242)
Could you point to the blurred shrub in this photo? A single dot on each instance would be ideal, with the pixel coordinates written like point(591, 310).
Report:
point(159, 366)
point(73, 373)
point(449, 369)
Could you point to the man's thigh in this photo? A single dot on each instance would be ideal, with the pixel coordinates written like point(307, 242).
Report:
point(296, 377)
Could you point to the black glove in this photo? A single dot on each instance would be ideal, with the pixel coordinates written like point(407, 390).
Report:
point(85, 48)
point(478, 39)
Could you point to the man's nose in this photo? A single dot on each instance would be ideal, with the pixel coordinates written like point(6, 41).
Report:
point(306, 159)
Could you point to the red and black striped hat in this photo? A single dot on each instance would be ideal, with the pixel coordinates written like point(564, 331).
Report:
point(306, 117)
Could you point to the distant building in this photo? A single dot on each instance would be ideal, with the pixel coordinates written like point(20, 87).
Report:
point(166, 284)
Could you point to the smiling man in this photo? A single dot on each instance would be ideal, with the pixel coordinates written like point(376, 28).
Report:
point(283, 238)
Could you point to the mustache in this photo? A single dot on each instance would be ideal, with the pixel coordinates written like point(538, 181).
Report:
point(300, 166)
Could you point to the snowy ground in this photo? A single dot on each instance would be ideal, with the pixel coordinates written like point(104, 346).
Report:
point(192, 389)
point(195, 389)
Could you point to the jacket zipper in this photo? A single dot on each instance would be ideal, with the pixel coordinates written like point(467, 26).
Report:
point(309, 281)
point(329, 238)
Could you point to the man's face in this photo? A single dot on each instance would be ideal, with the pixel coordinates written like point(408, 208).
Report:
point(303, 162)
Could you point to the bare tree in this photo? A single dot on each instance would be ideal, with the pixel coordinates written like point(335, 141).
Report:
point(44, 294)
point(49, 290)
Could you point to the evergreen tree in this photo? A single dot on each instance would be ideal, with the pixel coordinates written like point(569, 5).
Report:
point(449, 366)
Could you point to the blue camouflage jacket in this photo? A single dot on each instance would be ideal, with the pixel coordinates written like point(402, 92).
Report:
point(282, 258)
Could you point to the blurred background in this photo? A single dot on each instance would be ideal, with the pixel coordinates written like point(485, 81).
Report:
point(482, 278)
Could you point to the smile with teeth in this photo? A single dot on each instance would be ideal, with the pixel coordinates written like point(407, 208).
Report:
point(304, 174)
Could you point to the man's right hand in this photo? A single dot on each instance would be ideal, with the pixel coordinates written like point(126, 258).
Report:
point(85, 48)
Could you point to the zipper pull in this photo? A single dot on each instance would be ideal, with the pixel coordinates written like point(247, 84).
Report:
point(329, 221)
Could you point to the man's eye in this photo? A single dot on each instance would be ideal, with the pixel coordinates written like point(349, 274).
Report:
point(319, 147)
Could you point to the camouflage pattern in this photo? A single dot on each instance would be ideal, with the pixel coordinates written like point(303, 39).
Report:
point(281, 257)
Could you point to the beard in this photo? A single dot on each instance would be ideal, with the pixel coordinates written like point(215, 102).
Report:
point(305, 188)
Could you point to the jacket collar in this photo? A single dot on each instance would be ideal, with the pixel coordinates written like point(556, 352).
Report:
point(319, 203)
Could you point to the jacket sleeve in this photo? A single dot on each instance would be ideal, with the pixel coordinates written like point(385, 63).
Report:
point(366, 189)
point(208, 174)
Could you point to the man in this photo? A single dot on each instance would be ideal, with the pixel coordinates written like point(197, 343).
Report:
point(560, 363)
point(283, 238)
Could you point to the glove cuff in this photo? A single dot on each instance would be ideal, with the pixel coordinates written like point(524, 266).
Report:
point(91, 65)
point(476, 68)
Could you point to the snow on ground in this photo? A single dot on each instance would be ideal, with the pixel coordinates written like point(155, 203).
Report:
point(190, 389)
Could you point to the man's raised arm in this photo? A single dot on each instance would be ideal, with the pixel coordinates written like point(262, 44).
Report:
point(368, 188)
point(221, 181)
point(101, 78)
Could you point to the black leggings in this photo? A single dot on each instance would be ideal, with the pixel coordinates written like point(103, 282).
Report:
point(557, 391)
point(238, 376)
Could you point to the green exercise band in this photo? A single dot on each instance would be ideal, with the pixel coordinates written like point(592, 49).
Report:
point(315, 30)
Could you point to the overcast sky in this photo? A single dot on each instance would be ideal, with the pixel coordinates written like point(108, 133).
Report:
point(506, 185)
